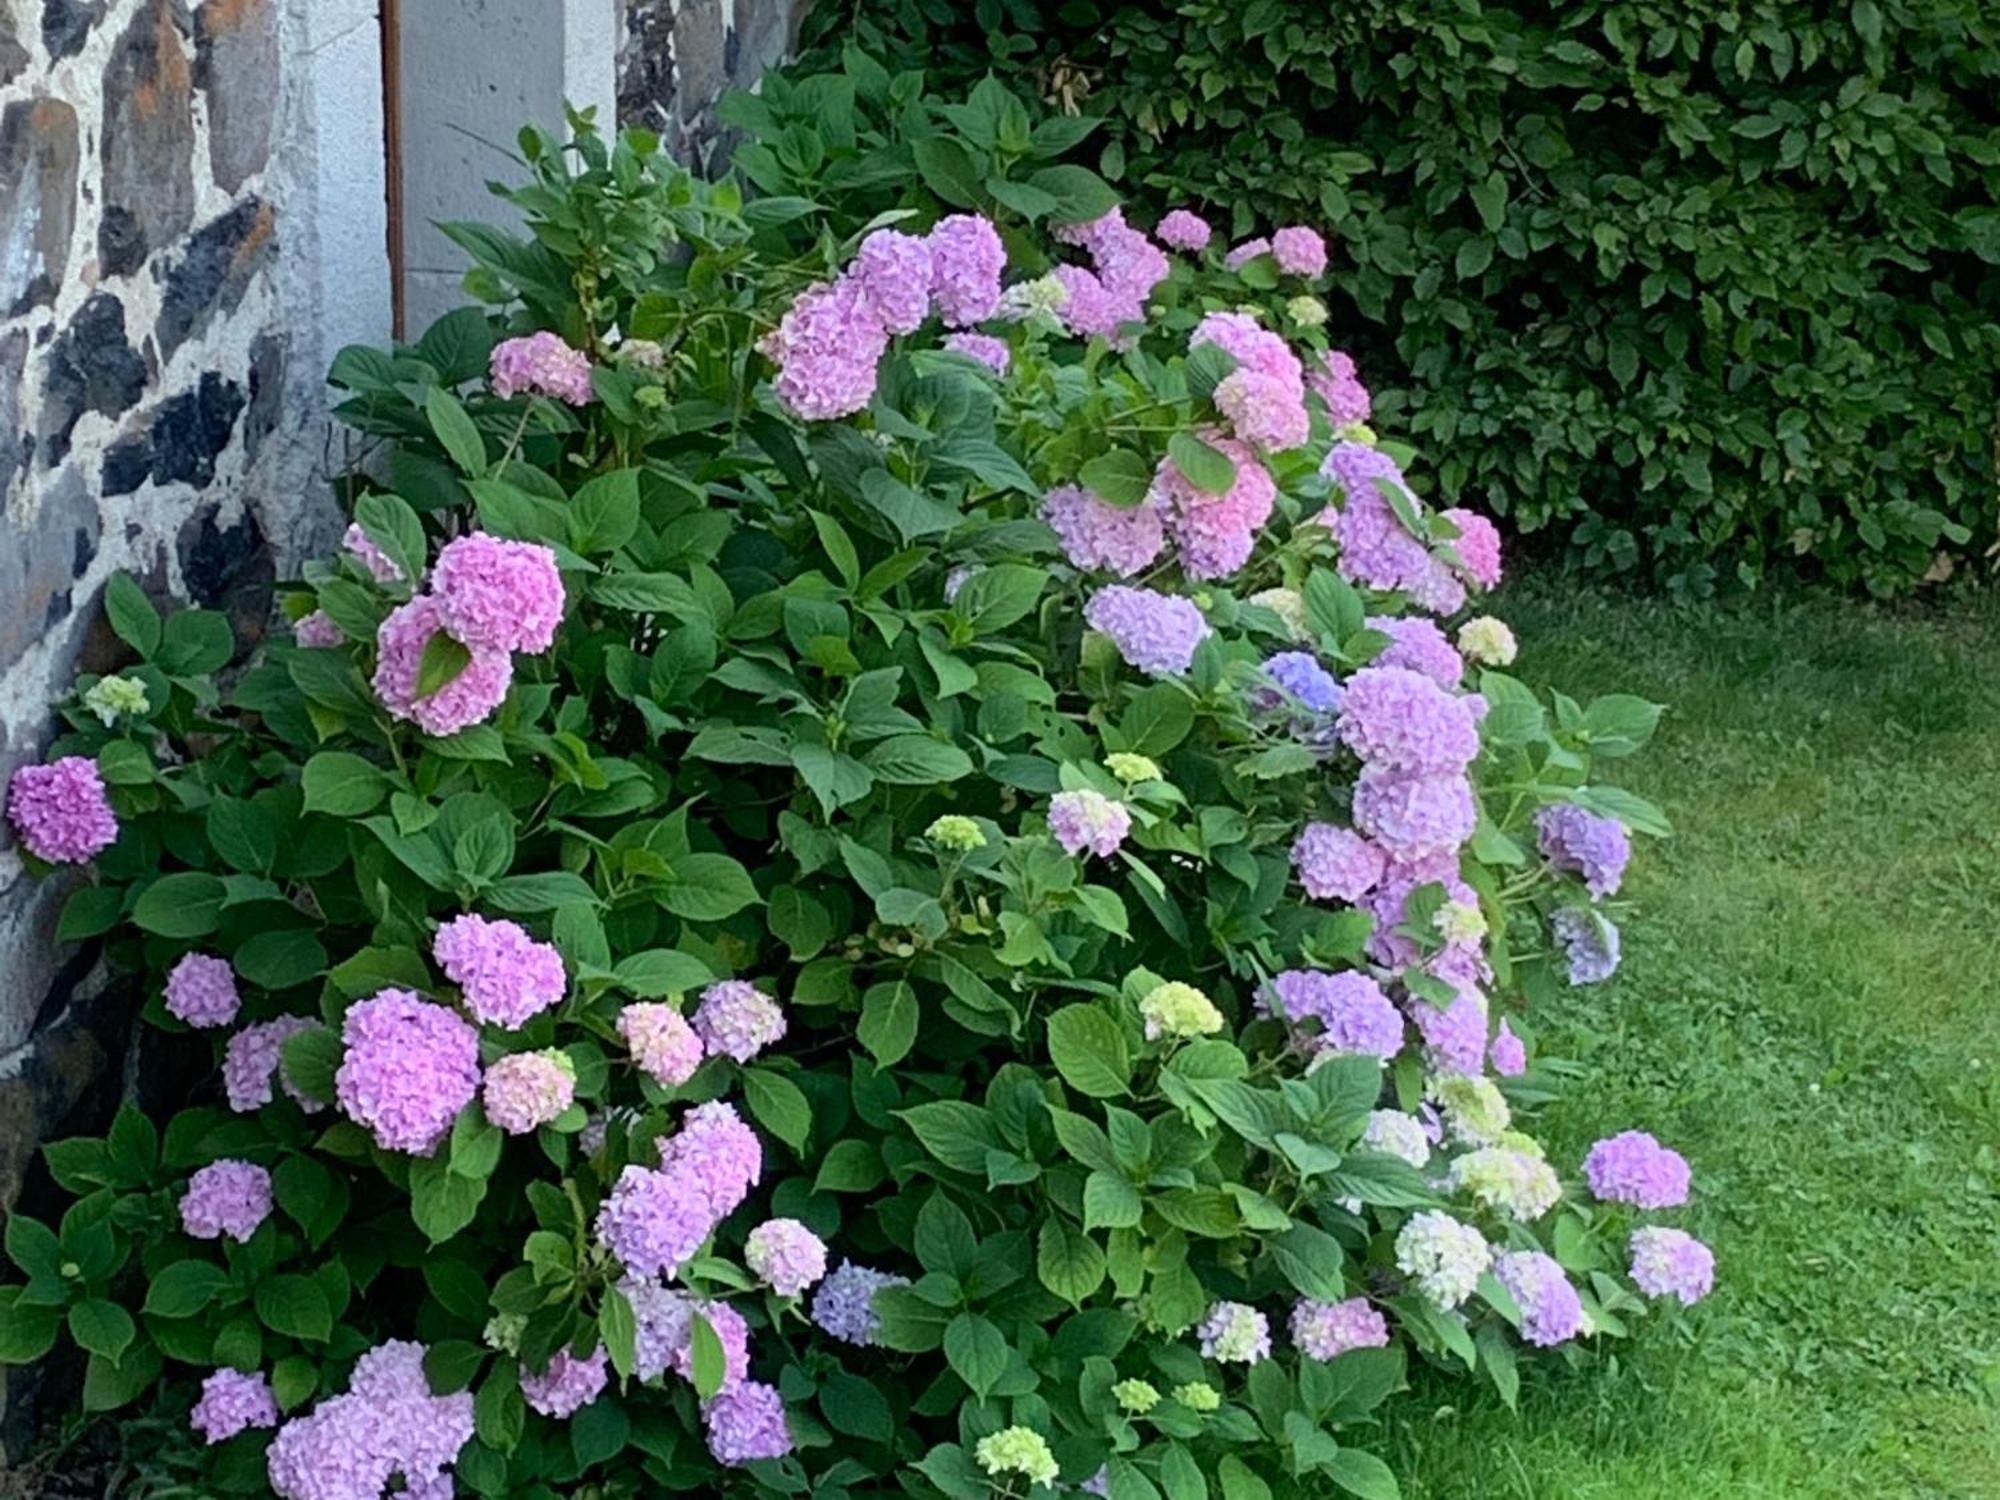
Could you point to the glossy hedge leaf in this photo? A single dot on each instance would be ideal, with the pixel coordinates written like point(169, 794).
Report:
point(310, 1060)
point(279, 960)
point(707, 1357)
point(708, 888)
point(1206, 468)
point(27, 1332)
point(956, 1133)
point(1117, 477)
point(89, 911)
point(1070, 1263)
point(854, 1406)
point(1361, 1473)
point(441, 1201)
point(661, 971)
point(342, 784)
point(108, 1385)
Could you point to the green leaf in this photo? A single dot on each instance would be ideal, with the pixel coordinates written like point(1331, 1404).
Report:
point(102, 1327)
point(279, 960)
point(618, 1326)
point(441, 1201)
point(1157, 719)
point(310, 1059)
point(976, 1351)
point(295, 1306)
point(854, 1406)
point(108, 1384)
point(888, 1026)
point(1070, 1263)
point(342, 784)
point(393, 526)
point(27, 1332)
point(1206, 468)
point(917, 760)
point(1363, 1474)
point(1117, 477)
point(184, 1288)
point(851, 1167)
point(604, 513)
point(710, 1363)
point(956, 1133)
point(520, 895)
point(183, 905)
point(443, 659)
point(661, 971)
point(458, 345)
point(1489, 197)
point(456, 431)
point(196, 641)
point(708, 888)
point(1619, 724)
point(1090, 1051)
point(90, 911)
point(779, 1105)
point(600, 1431)
point(998, 596)
point(132, 615)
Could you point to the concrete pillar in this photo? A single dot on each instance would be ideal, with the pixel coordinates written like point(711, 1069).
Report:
point(470, 73)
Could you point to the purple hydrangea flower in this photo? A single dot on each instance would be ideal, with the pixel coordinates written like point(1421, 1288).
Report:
point(226, 1197)
point(1184, 230)
point(747, 1423)
point(1156, 633)
point(1633, 1167)
point(1454, 1037)
point(256, 1053)
point(1305, 680)
point(893, 270)
point(498, 595)
point(541, 363)
point(1399, 719)
point(1335, 863)
point(663, 1044)
point(1263, 410)
point(966, 261)
point(827, 347)
point(655, 1221)
point(1583, 843)
point(844, 1305)
point(1216, 533)
point(1097, 535)
point(1509, 1054)
point(60, 810)
point(479, 688)
point(1551, 1311)
point(409, 1068)
point(568, 1385)
point(1299, 251)
point(1419, 645)
point(525, 1090)
point(506, 975)
point(1590, 944)
point(1478, 546)
point(664, 1321)
point(1413, 816)
point(201, 990)
point(317, 629)
point(1353, 1013)
point(988, 350)
point(231, 1402)
point(1376, 549)
point(1347, 400)
point(1327, 1330)
point(381, 567)
point(785, 1254)
point(387, 1425)
point(736, 1019)
point(1672, 1263)
point(1241, 255)
point(1090, 820)
point(717, 1152)
point(1388, 902)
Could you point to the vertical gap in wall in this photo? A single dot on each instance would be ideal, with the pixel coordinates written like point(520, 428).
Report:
point(392, 144)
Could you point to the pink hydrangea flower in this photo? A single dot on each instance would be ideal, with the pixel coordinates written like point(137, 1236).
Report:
point(543, 364)
point(1335, 863)
point(1243, 254)
point(232, 1402)
point(662, 1043)
point(1454, 1036)
point(525, 1090)
point(378, 563)
point(388, 1425)
point(467, 699)
point(201, 990)
point(1376, 549)
point(507, 977)
point(989, 351)
point(746, 1423)
point(1418, 644)
point(1347, 399)
point(737, 1019)
point(1154, 632)
point(1327, 1330)
point(1412, 814)
point(1098, 535)
point(254, 1055)
point(409, 1068)
point(1672, 1263)
point(718, 1152)
point(1551, 1311)
point(317, 629)
point(893, 270)
point(1508, 1053)
point(60, 810)
point(1263, 410)
point(1343, 1014)
point(226, 1197)
point(1633, 1167)
point(1090, 820)
point(827, 347)
point(1299, 251)
point(1401, 720)
point(966, 261)
point(1478, 544)
point(568, 1385)
point(785, 1254)
point(498, 595)
point(730, 1331)
point(1184, 230)
point(1216, 533)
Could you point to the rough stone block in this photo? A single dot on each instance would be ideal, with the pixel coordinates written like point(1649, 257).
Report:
point(38, 161)
point(91, 367)
point(221, 259)
point(236, 65)
point(148, 150)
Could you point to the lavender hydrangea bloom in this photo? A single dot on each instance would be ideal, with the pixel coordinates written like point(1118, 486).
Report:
point(1156, 633)
point(893, 270)
point(1300, 675)
point(1090, 820)
point(1454, 1037)
point(253, 1055)
point(730, 1331)
point(1590, 944)
point(226, 1197)
point(543, 364)
point(1399, 719)
point(786, 1255)
point(231, 1402)
point(1327, 1330)
point(479, 688)
point(654, 1221)
point(844, 1305)
point(1376, 549)
point(663, 1322)
point(408, 1069)
point(317, 630)
point(1335, 863)
point(988, 350)
point(1184, 230)
point(717, 1152)
point(1216, 533)
point(1633, 1167)
point(1234, 1333)
point(1508, 1053)
point(1419, 645)
point(507, 976)
point(663, 1044)
point(498, 595)
point(1672, 1263)
point(568, 1385)
point(387, 1425)
point(526, 1090)
point(60, 810)
point(1299, 251)
point(1583, 843)
point(1097, 535)
point(966, 261)
point(1551, 1311)
point(1412, 816)
point(746, 1423)
point(827, 347)
point(736, 1019)
point(1353, 1014)
point(1241, 255)
point(201, 990)
point(1347, 399)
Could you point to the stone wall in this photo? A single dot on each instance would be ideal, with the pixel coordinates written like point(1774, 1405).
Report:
point(680, 56)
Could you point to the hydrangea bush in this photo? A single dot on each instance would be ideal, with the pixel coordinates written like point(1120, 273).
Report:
point(896, 859)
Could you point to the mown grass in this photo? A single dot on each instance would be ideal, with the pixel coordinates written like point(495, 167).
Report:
point(1810, 1009)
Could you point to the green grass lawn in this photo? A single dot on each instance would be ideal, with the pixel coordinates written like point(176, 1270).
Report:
point(1810, 1010)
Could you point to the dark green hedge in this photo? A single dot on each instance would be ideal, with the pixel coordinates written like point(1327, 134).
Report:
point(1700, 287)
